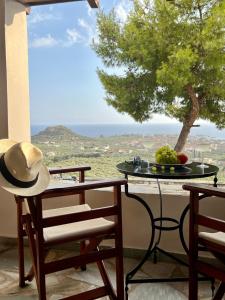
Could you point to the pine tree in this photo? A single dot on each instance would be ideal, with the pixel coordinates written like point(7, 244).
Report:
point(171, 60)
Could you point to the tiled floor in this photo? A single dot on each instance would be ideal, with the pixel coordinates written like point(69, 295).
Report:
point(73, 281)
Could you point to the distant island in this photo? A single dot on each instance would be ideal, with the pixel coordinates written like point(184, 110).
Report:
point(63, 147)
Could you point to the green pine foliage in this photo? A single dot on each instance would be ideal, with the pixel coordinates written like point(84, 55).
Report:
point(171, 60)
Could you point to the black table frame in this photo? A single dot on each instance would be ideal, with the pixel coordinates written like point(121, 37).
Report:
point(153, 248)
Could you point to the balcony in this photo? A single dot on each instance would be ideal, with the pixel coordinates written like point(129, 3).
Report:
point(15, 124)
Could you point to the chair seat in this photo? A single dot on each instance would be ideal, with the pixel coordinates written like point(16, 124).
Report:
point(77, 229)
point(215, 237)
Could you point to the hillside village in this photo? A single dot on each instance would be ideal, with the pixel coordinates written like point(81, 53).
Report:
point(62, 147)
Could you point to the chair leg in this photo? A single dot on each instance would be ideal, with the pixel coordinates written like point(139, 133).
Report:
point(30, 275)
point(193, 283)
point(82, 201)
point(32, 247)
point(119, 266)
point(120, 277)
point(106, 280)
point(21, 262)
point(20, 244)
point(193, 247)
point(220, 291)
point(42, 285)
point(38, 262)
point(93, 245)
point(82, 250)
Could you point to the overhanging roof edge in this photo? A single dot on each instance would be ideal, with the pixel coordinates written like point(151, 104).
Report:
point(92, 3)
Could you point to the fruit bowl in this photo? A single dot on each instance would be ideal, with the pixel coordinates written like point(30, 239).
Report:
point(175, 166)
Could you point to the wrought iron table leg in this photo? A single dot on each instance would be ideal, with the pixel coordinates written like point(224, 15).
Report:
point(126, 291)
point(155, 251)
point(149, 249)
point(152, 249)
point(161, 228)
point(181, 227)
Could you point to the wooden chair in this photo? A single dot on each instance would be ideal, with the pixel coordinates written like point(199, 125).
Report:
point(211, 241)
point(75, 223)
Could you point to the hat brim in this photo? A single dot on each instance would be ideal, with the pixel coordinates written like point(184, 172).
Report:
point(5, 144)
point(37, 188)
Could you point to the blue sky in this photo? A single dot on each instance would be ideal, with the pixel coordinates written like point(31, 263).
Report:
point(64, 86)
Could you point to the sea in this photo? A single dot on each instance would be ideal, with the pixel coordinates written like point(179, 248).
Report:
point(106, 130)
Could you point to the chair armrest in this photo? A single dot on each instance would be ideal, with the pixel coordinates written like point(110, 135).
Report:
point(81, 187)
point(204, 189)
point(68, 170)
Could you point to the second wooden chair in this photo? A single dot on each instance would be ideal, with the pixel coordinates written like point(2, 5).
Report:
point(211, 241)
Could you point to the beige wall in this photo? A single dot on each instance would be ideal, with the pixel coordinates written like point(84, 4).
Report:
point(14, 91)
point(136, 224)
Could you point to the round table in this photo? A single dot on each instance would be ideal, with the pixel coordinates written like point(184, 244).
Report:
point(150, 170)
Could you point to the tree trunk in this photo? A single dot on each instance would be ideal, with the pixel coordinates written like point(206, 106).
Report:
point(183, 135)
point(189, 119)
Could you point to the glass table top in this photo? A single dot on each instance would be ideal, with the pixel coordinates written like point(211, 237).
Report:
point(188, 171)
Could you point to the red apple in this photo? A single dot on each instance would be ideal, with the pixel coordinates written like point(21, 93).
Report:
point(182, 158)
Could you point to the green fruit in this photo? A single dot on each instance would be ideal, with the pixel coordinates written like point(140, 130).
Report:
point(166, 155)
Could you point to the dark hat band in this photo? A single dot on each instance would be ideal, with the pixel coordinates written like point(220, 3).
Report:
point(11, 179)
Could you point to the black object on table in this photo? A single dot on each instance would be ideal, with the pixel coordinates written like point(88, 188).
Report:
point(145, 170)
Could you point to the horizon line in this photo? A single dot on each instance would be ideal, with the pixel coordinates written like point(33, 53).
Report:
point(140, 124)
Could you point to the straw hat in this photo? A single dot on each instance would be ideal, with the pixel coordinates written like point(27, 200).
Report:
point(22, 171)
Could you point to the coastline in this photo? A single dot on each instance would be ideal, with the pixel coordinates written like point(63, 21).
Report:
point(147, 129)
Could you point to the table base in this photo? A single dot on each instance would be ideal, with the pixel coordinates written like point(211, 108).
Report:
point(153, 248)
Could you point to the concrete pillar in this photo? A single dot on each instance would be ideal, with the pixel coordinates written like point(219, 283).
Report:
point(14, 84)
point(14, 93)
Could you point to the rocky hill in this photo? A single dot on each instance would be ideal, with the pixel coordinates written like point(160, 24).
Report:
point(57, 133)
